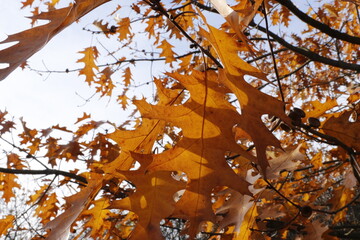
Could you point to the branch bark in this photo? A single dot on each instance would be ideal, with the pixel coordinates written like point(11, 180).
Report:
point(307, 53)
point(44, 172)
point(319, 25)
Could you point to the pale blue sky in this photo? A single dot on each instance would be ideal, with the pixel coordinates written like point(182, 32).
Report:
point(51, 99)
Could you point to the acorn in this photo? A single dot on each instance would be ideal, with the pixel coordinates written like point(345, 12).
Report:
point(293, 115)
point(113, 29)
point(314, 122)
point(306, 211)
point(299, 112)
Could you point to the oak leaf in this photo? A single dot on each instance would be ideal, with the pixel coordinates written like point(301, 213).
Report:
point(140, 140)
point(289, 160)
point(27, 3)
point(123, 100)
point(85, 116)
point(239, 210)
point(8, 182)
point(32, 40)
point(60, 226)
point(237, 21)
point(48, 208)
point(124, 28)
point(127, 76)
point(152, 201)
point(6, 223)
point(206, 120)
point(7, 185)
point(105, 83)
point(341, 128)
point(167, 51)
point(315, 230)
point(96, 217)
point(252, 101)
point(89, 58)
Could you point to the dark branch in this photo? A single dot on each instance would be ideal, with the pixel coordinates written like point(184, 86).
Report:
point(319, 25)
point(156, 6)
point(44, 172)
point(273, 55)
point(266, 55)
point(307, 53)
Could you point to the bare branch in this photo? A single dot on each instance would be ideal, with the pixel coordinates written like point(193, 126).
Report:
point(44, 172)
point(319, 25)
point(307, 53)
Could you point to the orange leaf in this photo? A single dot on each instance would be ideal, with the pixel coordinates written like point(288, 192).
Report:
point(14, 161)
point(60, 226)
point(167, 51)
point(96, 217)
point(90, 55)
point(7, 185)
point(127, 76)
point(123, 99)
point(250, 99)
point(344, 130)
point(124, 28)
point(285, 162)
point(48, 208)
point(206, 120)
point(27, 3)
point(84, 129)
point(32, 40)
point(6, 224)
point(105, 82)
point(85, 116)
point(152, 201)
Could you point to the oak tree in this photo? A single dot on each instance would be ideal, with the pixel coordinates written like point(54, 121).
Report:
point(253, 132)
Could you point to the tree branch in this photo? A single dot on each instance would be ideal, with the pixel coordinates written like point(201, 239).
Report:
point(273, 55)
point(319, 25)
point(307, 53)
point(44, 172)
point(266, 55)
point(114, 63)
point(156, 6)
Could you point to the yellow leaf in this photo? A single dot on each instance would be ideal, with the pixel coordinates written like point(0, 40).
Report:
point(123, 99)
point(206, 120)
point(85, 116)
point(167, 51)
point(152, 201)
point(89, 58)
point(7, 185)
point(105, 83)
point(127, 76)
point(6, 223)
point(124, 28)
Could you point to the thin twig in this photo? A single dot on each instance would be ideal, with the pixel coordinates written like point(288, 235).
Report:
point(156, 6)
point(272, 53)
point(28, 155)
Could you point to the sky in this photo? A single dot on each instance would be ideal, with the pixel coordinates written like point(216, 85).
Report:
point(48, 99)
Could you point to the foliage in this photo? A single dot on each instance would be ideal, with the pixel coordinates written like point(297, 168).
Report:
point(253, 134)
